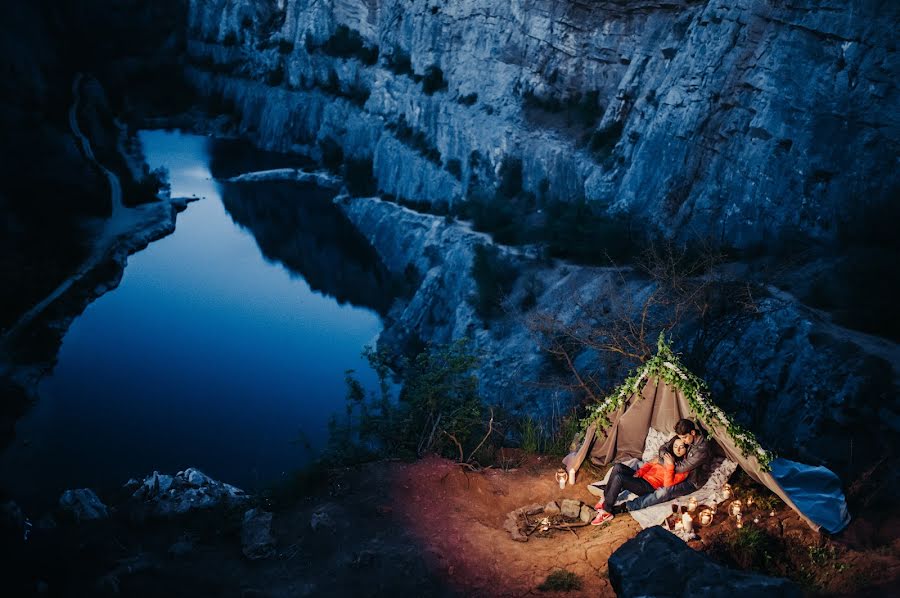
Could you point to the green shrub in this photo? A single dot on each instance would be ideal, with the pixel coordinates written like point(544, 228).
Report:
point(275, 77)
point(438, 409)
point(415, 139)
point(454, 167)
point(358, 176)
point(399, 63)
point(433, 80)
point(347, 43)
point(604, 140)
point(510, 176)
point(494, 277)
point(332, 154)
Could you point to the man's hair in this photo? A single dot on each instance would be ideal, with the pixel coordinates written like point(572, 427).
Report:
point(684, 426)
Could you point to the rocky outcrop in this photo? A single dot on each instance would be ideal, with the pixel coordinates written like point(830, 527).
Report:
point(163, 495)
point(656, 563)
point(689, 114)
point(257, 541)
point(83, 504)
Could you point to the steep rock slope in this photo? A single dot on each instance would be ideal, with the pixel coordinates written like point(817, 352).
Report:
point(741, 120)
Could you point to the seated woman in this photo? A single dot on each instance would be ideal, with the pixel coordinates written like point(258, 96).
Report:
point(645, 480)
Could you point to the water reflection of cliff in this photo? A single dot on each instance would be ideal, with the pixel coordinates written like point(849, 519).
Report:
point(298, 226)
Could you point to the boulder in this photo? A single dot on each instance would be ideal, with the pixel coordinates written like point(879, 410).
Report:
point(165, 495)
point(83, 504)
point(570, 508)
point(587, 514)
point(551, 508)
point(656, 563)
point(257, 541)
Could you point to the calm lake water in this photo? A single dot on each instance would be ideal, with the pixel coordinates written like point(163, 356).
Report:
point(223, 348)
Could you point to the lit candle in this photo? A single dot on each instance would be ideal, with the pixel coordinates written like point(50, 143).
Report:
point(571, 476)
point(749, 501)
point(692, 504)
point(726, 491)
point(735, 509)
point(771, 513)
point(561, 477)
point(688, 522)
point(706, 517)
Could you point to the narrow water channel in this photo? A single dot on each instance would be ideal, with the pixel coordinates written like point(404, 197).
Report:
point(223, 348)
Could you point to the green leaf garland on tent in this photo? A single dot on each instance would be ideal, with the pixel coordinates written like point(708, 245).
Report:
point(666, 366)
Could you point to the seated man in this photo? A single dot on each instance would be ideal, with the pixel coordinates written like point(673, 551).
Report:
point(694, 463)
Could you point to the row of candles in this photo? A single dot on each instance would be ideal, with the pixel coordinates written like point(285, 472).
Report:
point(687, 520)
point(705, 516)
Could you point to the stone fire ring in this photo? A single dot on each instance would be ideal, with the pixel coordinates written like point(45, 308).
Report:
point(563, 514)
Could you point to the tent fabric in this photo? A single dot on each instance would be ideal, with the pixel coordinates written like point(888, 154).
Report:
point(814, 492)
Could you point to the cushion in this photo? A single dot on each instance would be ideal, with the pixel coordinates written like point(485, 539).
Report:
point(655, 439)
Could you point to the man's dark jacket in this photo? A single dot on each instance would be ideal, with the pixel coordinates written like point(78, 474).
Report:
point(696, 460)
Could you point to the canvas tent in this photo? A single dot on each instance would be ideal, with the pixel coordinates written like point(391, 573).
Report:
point(661, 392)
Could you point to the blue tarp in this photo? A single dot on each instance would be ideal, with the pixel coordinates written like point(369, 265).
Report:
point(816, 491)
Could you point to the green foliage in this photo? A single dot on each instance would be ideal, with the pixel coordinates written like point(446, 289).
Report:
point(561, 581)
point(494, 277)
point(569, 230)
point(347, 43)
point(510, 176)
point(399, 63)
point(668, 368)
point(275, 77)
point(356, 92)
point(332, 154)
point(438, 409)
point(454, 167)
point(433, 80)
point(751, 547)
point(417, 140)
point(358, 176)
point(603, 140)
point(826, 557)
point(581, 109)
point(532, 435)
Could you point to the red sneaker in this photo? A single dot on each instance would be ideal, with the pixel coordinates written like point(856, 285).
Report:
point(602, 517)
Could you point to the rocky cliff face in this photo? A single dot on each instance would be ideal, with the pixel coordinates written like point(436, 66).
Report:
point(749, 122)
point(739, 120)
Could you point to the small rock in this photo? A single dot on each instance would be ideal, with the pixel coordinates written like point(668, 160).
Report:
point(11, 516)
point(257, 541)
point(587, 514)
point(321, 520)
point(181, 548)
point(512, 526)
point(84, 504)
point(551, 508)
point(570, 508)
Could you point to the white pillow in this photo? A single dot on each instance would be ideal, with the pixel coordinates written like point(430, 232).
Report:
point(655, 439)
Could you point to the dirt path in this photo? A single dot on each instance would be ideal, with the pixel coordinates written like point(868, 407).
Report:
point(458, 517)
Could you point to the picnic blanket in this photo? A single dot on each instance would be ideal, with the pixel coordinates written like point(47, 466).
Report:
point(709, 494)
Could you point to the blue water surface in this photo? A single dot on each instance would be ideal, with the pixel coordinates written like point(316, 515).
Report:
point(208, 354)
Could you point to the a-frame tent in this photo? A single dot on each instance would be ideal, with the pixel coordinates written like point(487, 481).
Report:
point(661, 392)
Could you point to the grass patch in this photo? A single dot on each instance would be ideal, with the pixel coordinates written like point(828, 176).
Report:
point(561, 581)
